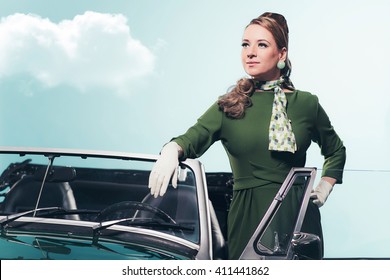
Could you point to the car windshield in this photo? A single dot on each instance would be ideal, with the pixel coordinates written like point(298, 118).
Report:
point(100, 189)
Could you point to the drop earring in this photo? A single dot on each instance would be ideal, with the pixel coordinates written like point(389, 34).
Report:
point(281, 64)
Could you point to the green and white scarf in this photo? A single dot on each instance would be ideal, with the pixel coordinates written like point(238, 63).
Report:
point(281, 136)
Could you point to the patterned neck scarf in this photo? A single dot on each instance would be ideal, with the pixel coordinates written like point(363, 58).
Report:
point(281, 136)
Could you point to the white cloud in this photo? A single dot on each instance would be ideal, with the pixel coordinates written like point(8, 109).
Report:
point(90, 51)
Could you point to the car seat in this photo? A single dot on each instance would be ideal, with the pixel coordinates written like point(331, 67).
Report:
point(23, 196)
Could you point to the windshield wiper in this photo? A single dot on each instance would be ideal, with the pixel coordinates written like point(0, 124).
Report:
point(61, 211)
point(50, 211)
point(10, 218)
point(144, 222)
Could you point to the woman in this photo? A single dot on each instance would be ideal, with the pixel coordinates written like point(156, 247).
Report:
point(266, 127)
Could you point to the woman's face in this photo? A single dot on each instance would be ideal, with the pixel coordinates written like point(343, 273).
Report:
point(260, 53)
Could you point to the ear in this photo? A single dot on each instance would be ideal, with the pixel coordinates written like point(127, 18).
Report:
point(283, 54)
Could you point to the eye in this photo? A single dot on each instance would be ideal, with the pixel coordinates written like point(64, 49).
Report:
point(244, 45)
point(262, 45)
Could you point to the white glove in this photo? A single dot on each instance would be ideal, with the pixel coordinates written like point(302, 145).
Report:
point(165, 168)
point(321, 193)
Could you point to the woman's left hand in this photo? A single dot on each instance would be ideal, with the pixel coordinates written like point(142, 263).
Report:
point(321, 192)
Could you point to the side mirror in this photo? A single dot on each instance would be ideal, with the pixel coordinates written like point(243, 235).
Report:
point(56, 174)
point(307, 246)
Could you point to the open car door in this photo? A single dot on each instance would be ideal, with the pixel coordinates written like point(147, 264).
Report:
point(271, 240)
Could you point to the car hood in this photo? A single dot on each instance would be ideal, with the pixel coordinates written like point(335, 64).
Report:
point(33, 247)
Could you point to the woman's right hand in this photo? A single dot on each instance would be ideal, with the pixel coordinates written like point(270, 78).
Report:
point(165, 168)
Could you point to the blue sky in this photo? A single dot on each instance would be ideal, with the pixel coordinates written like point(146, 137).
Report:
point(128, 75)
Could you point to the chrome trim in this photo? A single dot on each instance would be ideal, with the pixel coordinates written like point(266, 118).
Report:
point(75, 152)
point(205, 250)
point(120, 228)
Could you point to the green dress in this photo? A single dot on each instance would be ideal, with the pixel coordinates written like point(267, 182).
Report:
point(258, 172)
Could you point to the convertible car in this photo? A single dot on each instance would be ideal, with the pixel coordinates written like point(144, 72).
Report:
point(76, 204)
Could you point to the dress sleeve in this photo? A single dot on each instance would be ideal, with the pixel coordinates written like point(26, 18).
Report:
point(202, 134)
point(332, 147)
